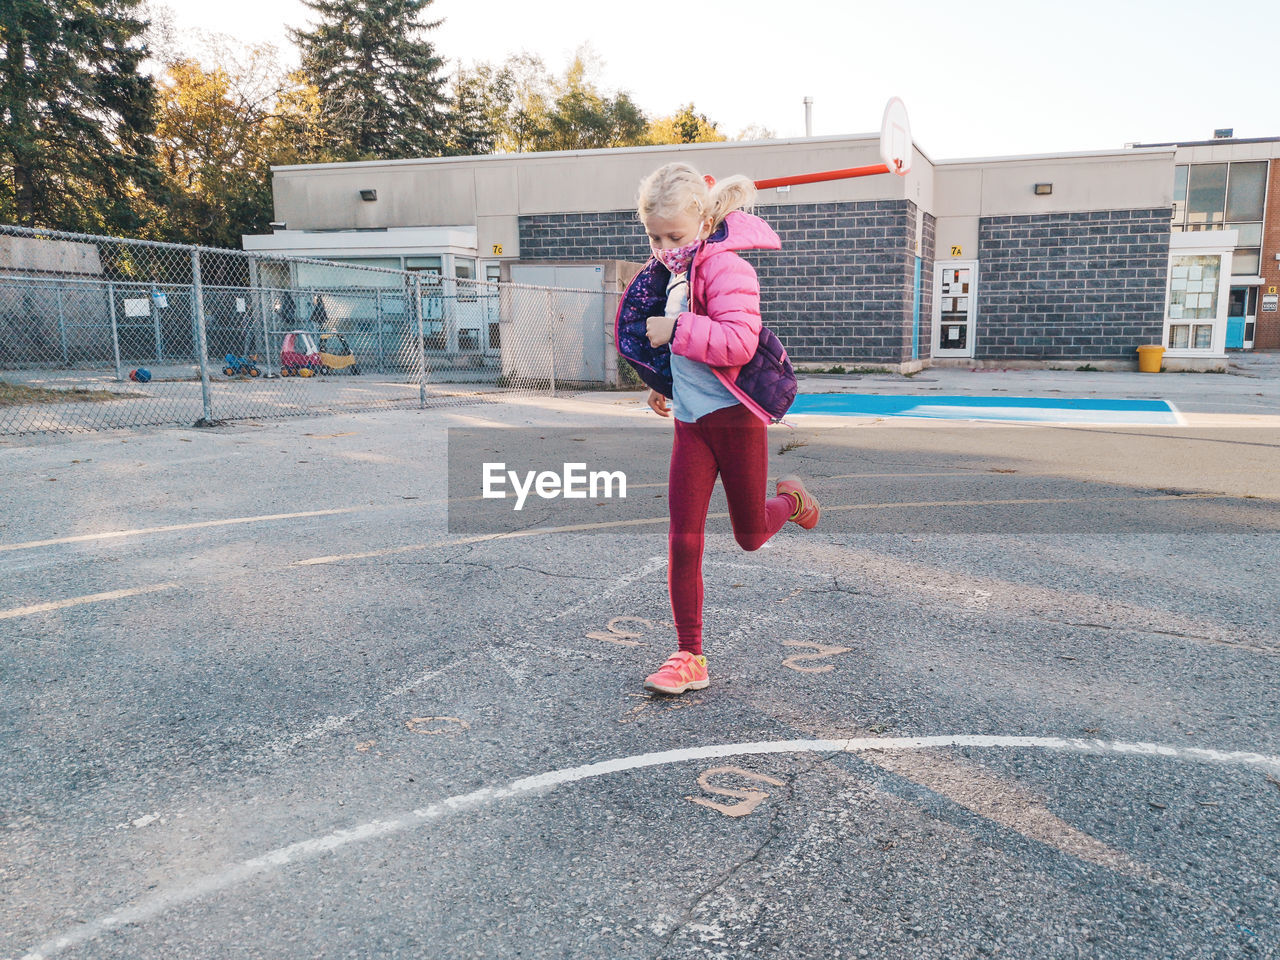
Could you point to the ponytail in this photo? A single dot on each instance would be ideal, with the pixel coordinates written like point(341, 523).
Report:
point(730, 194)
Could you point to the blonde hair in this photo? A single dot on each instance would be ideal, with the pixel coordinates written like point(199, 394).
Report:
point(678, 188)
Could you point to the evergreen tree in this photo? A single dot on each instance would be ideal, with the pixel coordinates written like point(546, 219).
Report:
point(75, 151)
point(471, 128)
point(379, 79)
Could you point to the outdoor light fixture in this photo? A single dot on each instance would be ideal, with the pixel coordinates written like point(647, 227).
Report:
point(368, 194)
point(278, 225)
point(1044, 189)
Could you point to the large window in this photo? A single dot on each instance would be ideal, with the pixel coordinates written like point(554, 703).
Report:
point(1193, 296)
point(435, 337)
point(1224, 196)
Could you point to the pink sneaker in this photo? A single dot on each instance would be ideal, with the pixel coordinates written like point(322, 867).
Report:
point(682, 672)
point(807, 509)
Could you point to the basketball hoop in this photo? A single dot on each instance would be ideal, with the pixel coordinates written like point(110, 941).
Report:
point(895, 153)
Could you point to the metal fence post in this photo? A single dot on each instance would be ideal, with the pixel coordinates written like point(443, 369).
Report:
point(62, 327)
point(202, 349)
point(377, 318)
point(261, 299)
point(155, 320)
point(551, 321)
point(115, 330)
point(421, 350)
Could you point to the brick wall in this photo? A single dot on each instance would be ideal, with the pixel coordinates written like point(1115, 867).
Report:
point(839, 291)
point(1266, 335)
point(928, 270)
point(928, 251)
point(1087, 286)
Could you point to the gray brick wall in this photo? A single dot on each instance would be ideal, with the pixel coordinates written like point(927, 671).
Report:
point(929, 251)
point(840, 290)
point(1087, 286)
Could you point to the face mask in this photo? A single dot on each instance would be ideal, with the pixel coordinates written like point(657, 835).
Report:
point(678, 259)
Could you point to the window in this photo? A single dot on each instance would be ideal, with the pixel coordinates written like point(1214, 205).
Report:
point(1193, 289)
point(1206, 193)
point(1224, 196)
point(1246, 263)
point(434, 335)
point(465, 271)
point(492, 274)
point(1193, 295)
point(1179, 195)
point(1247, 191)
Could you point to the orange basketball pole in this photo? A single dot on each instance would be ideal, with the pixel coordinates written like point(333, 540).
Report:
point(849, 174)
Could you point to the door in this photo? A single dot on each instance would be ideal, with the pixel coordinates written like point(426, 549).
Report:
point(491, 297)
point(1242, 316)
point(469, 307)
point(556, 331)
point(953, 331)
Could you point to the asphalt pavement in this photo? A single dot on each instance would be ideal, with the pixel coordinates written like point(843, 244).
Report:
point(285, 689)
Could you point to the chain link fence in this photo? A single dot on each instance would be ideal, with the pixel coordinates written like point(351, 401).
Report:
point(101, 332)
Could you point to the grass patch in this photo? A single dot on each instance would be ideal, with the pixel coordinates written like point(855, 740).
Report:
point(792, 445)
point(15, 395)
point(1087, 368)
point(840, 369)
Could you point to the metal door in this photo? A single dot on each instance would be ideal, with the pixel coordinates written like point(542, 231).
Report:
point(953, 329)
point(557, 332)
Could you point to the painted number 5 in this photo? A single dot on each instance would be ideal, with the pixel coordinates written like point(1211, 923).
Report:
point(750, 798)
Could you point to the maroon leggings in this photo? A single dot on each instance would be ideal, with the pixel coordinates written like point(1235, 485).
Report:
point(732, 442)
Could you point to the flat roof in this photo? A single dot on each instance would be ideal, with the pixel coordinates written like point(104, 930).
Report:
point(611, 151)
point(1209, 143)
point(1074, 155)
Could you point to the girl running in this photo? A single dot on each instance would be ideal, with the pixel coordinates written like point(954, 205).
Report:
point(690, 325)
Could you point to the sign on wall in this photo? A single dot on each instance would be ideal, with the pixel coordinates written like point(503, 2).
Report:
point(1270, 302)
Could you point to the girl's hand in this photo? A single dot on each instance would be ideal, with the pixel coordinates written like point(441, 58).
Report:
point(658, 404)
point(659, 330)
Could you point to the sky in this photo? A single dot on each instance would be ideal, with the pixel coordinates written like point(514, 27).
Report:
point(985, 78)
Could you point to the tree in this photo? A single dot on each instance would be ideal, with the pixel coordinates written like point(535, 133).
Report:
point(75, 152)
point(379, 79)
point(471, 129)
point(583, 117)
point(685, 126)
point(519, 91)
point(756, 131)
point(218, 132)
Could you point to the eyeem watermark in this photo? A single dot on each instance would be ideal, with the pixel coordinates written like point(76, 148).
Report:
point(573, 483)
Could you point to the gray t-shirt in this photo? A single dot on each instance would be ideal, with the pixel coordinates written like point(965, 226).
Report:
point(697, 389)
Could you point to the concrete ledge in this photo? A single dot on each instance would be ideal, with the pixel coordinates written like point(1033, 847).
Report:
point(1171, 365)
point(859, 366)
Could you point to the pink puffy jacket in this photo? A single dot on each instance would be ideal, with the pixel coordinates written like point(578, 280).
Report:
point(722, 325)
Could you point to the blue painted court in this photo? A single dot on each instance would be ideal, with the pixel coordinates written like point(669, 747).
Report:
point(1013, 409)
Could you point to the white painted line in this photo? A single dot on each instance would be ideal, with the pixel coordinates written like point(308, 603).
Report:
point(647, 521)
point(642, 572)
point(142, 531)
point(481, 538)
point(1177, 414)
point(78, 601)
point(157, 903)
point(331, 723)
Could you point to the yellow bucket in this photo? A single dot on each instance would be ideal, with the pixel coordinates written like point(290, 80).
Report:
point(1150, 359)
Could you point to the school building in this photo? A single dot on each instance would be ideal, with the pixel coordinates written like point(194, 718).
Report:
point(1069, 258)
